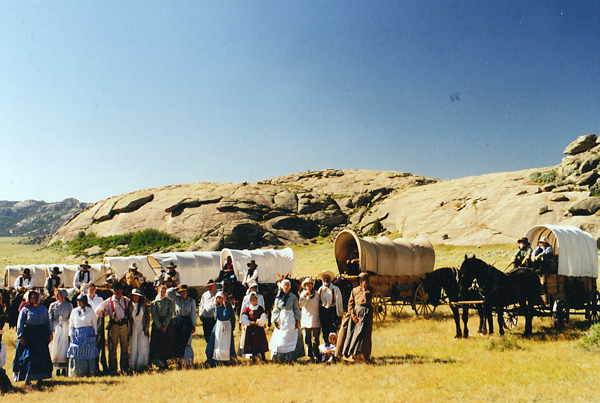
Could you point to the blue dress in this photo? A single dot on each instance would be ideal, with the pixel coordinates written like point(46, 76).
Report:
point(225, 316)
point(32, 360)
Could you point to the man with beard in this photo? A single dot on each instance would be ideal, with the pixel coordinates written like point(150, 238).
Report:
point(331, 307)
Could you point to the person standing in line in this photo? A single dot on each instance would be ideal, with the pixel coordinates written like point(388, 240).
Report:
point(115, 308)
point(207, 309)
point(59, 313)
point(163, 331)
point(220, 349)
point(310, 324)
point(185, 322)
point(34, 332)
point(139, 324)
point(286, 343)
point(94, 301)
point(83, 350)
point(254, 339)
point(332, 306)
point(252, 289)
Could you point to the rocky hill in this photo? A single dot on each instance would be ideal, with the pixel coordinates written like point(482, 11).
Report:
point(33, 218)
point(294, 209)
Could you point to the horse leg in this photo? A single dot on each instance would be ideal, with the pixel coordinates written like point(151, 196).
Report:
point(456, 322)
point(465, 318)
point(488, 317)
point(500, 313)
point(482, 320)
point(528, 318)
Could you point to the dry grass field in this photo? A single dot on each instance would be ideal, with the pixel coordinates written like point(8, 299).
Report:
point(415, 359)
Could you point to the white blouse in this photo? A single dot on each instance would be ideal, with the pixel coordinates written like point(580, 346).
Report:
point(79, 318)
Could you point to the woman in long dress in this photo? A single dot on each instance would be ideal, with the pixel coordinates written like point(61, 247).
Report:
point(354, 342)
point(254, 339)
point(163, 330)
point(32, 356)
point(139, 323)
point(59, 313)
point(286, 343)
point(83, 350)
point(220, 349)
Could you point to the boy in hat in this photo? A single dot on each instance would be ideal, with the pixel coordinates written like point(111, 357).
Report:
point(523, 256)
point(83, 275)
point(251, 274)
point(24, 281)
point(53, 282)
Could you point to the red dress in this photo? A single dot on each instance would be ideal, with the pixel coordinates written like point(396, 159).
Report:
point(255, 341)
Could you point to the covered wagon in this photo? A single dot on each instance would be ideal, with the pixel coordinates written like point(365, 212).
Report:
point(40, 272)
point(570, 286)
point(195, 268)
point(397, 268)
point(271, 262)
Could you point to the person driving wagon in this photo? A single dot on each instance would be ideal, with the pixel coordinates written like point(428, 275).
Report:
point(523, 256)
point(541, 257)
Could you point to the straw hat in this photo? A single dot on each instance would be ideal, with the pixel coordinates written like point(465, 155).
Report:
point(523, 240)
point(306, 281)
point(325, 273)
point(543, 239)
point(133, 266)
point(182, 288)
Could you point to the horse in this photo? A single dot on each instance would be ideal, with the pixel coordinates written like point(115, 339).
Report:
point(447, 279)
point(500, 289)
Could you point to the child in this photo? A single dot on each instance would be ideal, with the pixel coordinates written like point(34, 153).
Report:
point(254, 339)
point(328, 350)
point(5, 384)
point(220, 349)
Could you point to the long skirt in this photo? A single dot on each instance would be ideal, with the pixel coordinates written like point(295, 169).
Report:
point(220, 346)
point(32, 360)
point(60, 345)
point(254, 340)
point(358, 335)
point(183, 331)
point(161, 344)
point(286, 343)
point(139, 348)
point(83, 352)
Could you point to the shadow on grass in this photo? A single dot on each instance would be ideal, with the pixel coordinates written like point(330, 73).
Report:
point(48, 385)
point(408, 359)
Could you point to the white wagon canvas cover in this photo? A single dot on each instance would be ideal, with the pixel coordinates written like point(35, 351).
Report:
point(270, 262)
point(398, 257)
point(576, 249)
point(195, 268)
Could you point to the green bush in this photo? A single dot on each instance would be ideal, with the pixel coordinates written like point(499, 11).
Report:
point(591, 341)
point(141, 242)
point(595, 190)
point(376, 228)
point(543, 177)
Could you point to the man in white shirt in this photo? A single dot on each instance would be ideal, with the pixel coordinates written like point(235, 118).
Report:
point(24, 281)
point(332, 307)
point(207, 309)
point(251, 275)
point(83, 275)
point(95, 301)
point(118, 327)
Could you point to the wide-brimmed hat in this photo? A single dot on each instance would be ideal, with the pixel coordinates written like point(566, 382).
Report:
point(252, 263)
point(133, 265)
point(543, 239)
point(85, 265)
point(211, 282)
point(171, 265)
point(363, 276)
point(325, 273)
point(27, 271)
point(56, 270)
point(137, 291)
point(182, 288)
point(220, 294)
point(523, 240)
point(306, 281)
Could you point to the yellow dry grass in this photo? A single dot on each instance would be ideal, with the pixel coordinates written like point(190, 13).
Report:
point(415, 359)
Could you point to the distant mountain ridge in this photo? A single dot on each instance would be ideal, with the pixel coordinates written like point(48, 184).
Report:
point(33, 218)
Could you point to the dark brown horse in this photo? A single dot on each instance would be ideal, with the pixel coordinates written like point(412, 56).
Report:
point(447, 279)
point(521, 286)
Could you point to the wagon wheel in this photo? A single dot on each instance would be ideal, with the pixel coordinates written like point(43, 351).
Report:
point(510, 318)
point(592, 309)
point(560, 313)
point(421, 303)
point(379, 307)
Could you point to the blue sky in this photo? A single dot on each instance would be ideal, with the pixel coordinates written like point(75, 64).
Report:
point(103, 98)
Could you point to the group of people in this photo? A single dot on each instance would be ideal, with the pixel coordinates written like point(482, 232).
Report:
point(539, 259)
point(71, 341)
